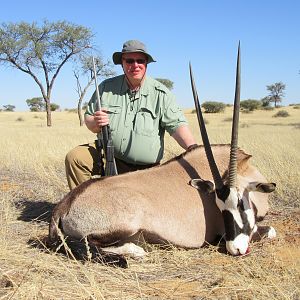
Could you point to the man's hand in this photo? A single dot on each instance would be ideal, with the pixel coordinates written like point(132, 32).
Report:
point(101, 118)
point(97, 120)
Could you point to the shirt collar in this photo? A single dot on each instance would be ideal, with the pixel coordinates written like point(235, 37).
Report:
point(144, 90)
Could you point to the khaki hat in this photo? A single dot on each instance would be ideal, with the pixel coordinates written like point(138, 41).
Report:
point(131, 46)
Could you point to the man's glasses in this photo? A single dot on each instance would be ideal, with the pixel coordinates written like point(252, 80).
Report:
point(131, 61)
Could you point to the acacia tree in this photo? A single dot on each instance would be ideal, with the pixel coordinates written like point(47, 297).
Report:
point(9, 107)
point(36, 104)
point(41, 51)
point(276, 92)
point(103, 70)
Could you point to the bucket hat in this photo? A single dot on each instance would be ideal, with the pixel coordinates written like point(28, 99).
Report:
point(131, 46)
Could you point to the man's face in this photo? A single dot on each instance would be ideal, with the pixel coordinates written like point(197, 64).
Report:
point(134, 65)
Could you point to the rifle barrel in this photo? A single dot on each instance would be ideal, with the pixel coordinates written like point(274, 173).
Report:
point(104, 136)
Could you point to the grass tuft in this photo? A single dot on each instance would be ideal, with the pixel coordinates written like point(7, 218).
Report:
point(281, 114)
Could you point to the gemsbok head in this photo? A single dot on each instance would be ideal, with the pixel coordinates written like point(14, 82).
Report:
point(232, 193)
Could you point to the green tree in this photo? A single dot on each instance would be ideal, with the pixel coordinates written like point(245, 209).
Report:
point(265, 101)
point(213, 107)
point(250, 104)
point(103, 70)
point(8, 107)
point(36, 104)
point(41, 51)
point(54, 107)
point(276, 92)
point(168, 83)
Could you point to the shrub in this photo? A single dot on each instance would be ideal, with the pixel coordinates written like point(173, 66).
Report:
point(297, 126)
point(267, 108)
point(71, 110)
point(244, 125)
point(8, 107)
point(213, 107)
point(281, 114)
point(247, 111)
point(229, 119)
point(54, 107)
point(20, 119)
point(38, 117)
point(250, 104)
point(265, 102)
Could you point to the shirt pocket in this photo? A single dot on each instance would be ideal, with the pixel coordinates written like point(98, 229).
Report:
point(146, 122)
point(114, 115)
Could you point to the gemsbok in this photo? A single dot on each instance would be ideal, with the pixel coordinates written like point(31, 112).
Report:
point(188, 201)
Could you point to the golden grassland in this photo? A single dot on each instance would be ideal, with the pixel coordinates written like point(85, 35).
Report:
point(32, 180)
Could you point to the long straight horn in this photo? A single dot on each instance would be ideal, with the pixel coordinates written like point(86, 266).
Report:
point(212, 164)
point(235, 125)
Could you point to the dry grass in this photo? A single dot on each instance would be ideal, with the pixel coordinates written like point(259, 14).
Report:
point(32, 180)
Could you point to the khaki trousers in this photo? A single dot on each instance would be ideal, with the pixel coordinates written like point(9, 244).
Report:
point(83, 162)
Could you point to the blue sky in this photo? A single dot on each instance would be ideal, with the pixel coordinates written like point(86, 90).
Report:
point(176, 32)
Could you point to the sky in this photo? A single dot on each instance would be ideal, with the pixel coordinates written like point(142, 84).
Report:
point(205, 33)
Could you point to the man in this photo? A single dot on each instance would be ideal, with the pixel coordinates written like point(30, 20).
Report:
point(138, 110)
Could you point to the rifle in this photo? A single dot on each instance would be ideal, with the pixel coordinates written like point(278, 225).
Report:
point(104, 140)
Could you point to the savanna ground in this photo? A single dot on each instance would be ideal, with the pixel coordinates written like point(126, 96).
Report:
point(32, 180)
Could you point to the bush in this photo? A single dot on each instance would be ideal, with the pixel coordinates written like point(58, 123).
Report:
point(265, 102)
point(8, 107)
point(213, 107)
point(297, 126)
point(20, 119)
point(244, 125)
point(38, 117)
point(229, 119)
point(71, 110)
point(267, 108)
point(281, 114)
point(250, 104)
point(247, 111)
point(54, 107)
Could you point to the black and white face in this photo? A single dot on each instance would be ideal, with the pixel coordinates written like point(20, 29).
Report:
point(239, 217)
point(239, 221)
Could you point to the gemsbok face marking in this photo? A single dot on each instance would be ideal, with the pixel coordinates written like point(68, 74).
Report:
point(208, 191)
point(239, 218)
point(232, 198)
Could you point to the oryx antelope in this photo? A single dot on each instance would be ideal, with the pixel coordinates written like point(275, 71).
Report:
point(187, 201)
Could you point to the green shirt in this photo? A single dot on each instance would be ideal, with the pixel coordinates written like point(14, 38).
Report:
point(138, 121)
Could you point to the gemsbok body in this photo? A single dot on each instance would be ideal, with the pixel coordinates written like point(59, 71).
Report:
point(187, 201)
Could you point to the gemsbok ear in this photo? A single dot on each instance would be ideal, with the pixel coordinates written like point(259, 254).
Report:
point(206, 185)
point(266, 187)
point(261, 187)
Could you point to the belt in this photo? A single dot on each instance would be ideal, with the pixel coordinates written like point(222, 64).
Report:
point(123, 166)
